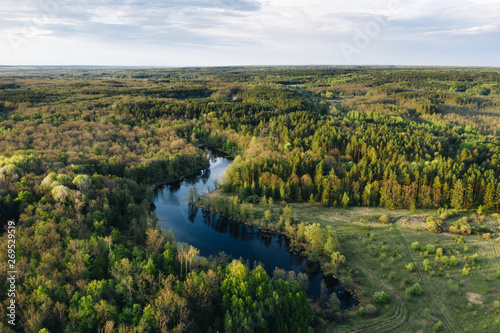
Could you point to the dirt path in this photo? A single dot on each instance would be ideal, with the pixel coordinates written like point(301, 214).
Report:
point(401, 314)
point(429, 290)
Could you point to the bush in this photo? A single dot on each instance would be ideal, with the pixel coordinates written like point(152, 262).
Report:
point(437, 327)
point(415, 290)
point(453, 261)
point(361, 311)
point(380, 297)
point(384, 219)
point(427, 265)
point(410, 267)
point(430, 248)
point(415, 246)
point(371, 310)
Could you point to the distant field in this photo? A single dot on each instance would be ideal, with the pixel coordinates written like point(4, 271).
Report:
point(377, 257)
point(377, 253)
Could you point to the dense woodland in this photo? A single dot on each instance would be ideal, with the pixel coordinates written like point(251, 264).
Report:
point(81, 151)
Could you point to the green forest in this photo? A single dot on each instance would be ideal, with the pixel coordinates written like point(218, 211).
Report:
point(82, 150)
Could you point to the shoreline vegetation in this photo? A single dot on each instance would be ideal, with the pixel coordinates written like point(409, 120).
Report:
point(300, 248)
point(396, 183)
point(383, 290)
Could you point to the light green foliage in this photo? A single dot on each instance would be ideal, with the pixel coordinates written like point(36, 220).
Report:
point(240, 286)
point(314, 237)
point(60, 193)
point(384, 219)
point(64, 179)
point(415, 290)
point(385, 144)
point(82, 182)
point(380, 297)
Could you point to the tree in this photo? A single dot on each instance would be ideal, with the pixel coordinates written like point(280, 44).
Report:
point(60, 193)
point(288, 213)
point(345, 200)
point(457, 195)
point(182, 256)
point(314, 237)
point(267, 217)
point(154, 240)
point(333, 302)
point(82, 182)
point(192, 252)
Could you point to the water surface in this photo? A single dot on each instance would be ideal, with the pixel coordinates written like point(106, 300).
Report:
point(211, 234)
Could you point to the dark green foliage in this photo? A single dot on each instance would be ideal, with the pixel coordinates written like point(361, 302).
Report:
point(91, 250)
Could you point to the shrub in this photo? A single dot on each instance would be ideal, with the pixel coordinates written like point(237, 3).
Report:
point(461, 227)
point(384, 219)
point(415, 290)
point(427, 265)
point(433, 225)
point(415, 246)
point(453, 261)
point(430, 248)
point(496, 305)
point(437, 327)
point(362, 311)
point(410, 267)
point(453, 288)
point(380, 297)
point(371, 310)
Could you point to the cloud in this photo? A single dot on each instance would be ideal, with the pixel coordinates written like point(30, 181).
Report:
point(477, 30)
point(266, 29)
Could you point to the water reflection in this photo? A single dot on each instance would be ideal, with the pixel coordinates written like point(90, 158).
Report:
point(212, 234)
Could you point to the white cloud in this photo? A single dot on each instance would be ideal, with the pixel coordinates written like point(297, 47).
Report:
point(274, 28)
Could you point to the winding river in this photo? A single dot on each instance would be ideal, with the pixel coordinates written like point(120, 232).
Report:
point(211, 234)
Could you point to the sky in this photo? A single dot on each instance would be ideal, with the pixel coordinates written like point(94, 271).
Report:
point(250, 32)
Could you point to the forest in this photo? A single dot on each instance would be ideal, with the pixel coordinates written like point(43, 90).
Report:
point(82, 150)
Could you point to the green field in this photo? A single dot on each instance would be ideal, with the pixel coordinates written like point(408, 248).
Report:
point(377, 255)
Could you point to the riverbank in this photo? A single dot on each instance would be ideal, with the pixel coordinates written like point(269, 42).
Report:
point(298, 247)
point(378, 257)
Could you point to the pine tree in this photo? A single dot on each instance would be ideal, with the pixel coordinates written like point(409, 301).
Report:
point(489, 197)
point(457, 195)
point(345, 200)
